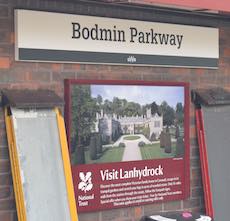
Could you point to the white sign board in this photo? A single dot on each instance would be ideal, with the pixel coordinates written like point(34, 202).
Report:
point(57, 37)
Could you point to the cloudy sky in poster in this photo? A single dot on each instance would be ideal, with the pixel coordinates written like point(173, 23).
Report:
point(140, 94)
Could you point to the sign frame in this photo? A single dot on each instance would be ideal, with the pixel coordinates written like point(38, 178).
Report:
point(185, 168)
point(91, 40)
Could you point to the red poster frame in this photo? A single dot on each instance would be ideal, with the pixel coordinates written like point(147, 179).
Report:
point(204, 163)
point(186, 167)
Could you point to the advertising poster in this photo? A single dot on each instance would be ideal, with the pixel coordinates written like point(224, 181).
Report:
point(128, 142)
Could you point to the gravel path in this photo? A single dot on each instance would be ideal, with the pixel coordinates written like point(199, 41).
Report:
point(132, 151)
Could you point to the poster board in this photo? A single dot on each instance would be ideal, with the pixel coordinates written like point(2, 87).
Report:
point(117, 132)
point(212, 119)
point(40, 164)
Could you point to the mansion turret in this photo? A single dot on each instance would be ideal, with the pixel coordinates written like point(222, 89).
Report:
point(111, 127)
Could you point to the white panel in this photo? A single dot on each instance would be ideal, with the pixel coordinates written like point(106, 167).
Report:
point(217, 127)
point(54, 31)
point(41, 165)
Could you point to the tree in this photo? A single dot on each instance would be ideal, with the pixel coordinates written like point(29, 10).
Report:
point(168, 114)
point(180, 113)
point(107, 107)
point(132, 109)
point(99, 100)
point(117, 106)
point(154, 108)
point(84, 109)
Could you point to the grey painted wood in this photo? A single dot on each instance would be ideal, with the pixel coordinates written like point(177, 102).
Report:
point(217, 132)
point(41, 166)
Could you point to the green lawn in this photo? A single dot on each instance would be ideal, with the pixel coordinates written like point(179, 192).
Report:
point(154, 151)
point(109, 154)
point(131, 138)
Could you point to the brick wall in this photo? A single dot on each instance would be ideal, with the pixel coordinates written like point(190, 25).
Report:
point(47, 75)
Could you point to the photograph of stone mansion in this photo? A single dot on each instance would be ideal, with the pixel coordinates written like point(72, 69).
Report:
point(111, 126)
point(117, 123)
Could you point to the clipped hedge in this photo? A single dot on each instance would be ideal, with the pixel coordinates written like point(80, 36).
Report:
point(168, 143)
point(180, 147)
point(93, 148)
point(141, 144)
point(121, 144)
point(162, 139)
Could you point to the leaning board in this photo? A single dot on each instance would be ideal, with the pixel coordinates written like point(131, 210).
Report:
point(216, 120)
point(40, 165)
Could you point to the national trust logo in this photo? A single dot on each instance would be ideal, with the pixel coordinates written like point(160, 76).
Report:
point(86, 182)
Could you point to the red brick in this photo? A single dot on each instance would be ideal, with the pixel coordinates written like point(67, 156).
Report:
point(56, 67)
point(196, 173)
point(191, 203)
point(138, 212)
point(4, 166)
point(173, 206)
point(226, 52)
point(23, 66)
point(199, 71)
point(181, 71)
point(197, 192)
point(5, 179)
point(195, 152)
point(195, 163)
point(4, 62)
point(88, 216)
point(6, 216)
point(39, 76)
point(5, 192)
point(60, 76)
point(127, 212)
point(5, 24)
point(72, 67)
point(3, 139)
point(196, 182)
point(110, 215)
point(88, 75)
point(153, 208)
point(149, 76)
point(192, 132)
point(7, 204)
point(13, 76)
point(194, 141)
point(4, 37)
point(4, 153)
point(5, 50)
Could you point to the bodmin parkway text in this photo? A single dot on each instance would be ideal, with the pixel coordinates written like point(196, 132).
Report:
point(97, 33)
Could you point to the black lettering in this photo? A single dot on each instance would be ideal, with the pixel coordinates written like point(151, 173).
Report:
point(114, 33)
point(147, 37)
point(172, 40)
point(85, 33)
point(154, 37)
point(164, 38)
point(94, 33)
point(179, 39)
point(121, 36)
point(141, 37)
point(133, 33)
point(76, 30)
point(106, 34)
